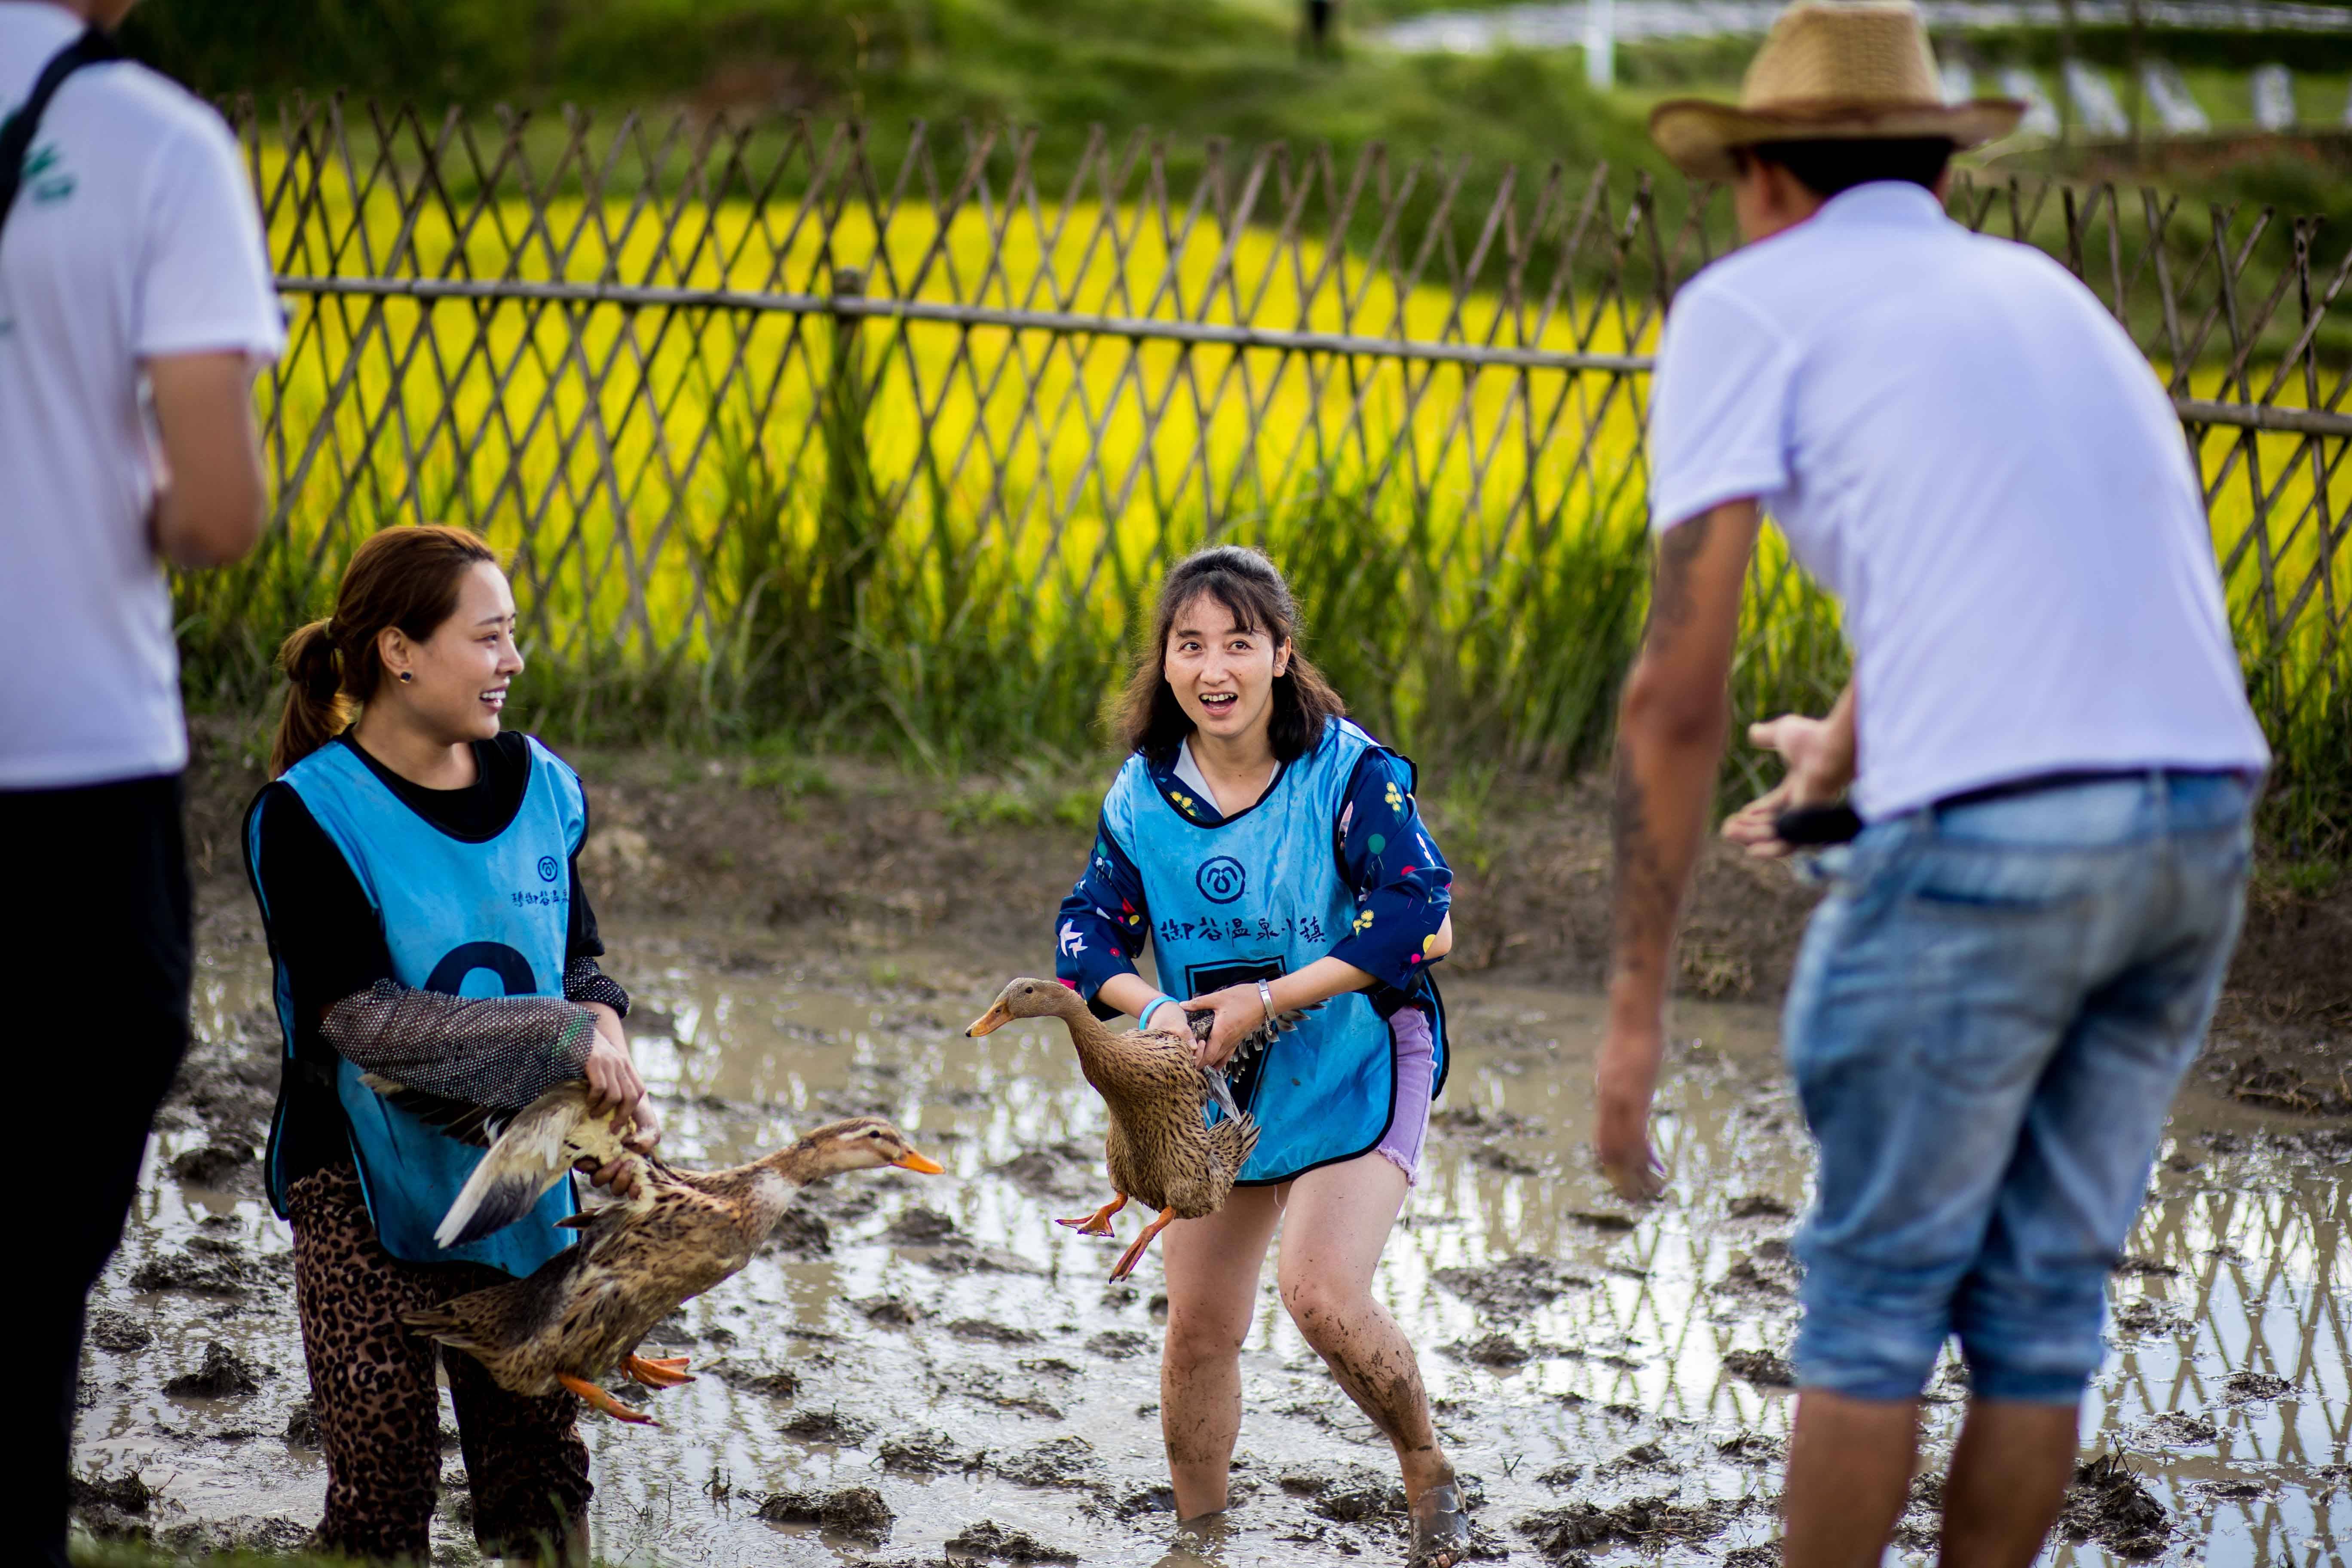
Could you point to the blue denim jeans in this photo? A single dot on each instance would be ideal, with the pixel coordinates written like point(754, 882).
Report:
point(1988, 1021)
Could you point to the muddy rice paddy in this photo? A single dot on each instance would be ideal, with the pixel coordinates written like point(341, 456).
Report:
point(928, 1368)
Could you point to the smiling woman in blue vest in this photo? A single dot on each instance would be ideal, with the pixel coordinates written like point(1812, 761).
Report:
point(416, 873)
point(1274, 853)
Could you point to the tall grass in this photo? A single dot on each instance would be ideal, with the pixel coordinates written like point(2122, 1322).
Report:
point(731, 523)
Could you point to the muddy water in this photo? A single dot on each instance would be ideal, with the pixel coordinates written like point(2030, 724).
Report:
point(940, 1341)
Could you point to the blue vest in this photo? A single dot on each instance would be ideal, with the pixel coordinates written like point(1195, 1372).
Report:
point(464, 920)
point(1259, 895)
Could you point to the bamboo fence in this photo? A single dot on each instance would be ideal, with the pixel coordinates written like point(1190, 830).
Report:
point(607, 347)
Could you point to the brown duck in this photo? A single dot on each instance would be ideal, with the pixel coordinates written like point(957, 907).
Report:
point(580, 1316)
point(1160, 1150)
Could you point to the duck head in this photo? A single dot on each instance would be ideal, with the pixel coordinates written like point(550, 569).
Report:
point(855, 1143)
point(1027, 998)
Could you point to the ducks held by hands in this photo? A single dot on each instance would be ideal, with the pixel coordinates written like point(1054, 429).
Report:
point(1160, 1150)
point(581, 1314)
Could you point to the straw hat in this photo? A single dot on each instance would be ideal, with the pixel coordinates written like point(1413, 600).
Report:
point(1828, 69)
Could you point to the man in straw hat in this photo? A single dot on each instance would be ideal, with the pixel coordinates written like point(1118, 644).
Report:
point(2046, 737)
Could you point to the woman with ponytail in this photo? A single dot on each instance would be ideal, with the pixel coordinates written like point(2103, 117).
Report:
point(1272, 853)
point(416, 871)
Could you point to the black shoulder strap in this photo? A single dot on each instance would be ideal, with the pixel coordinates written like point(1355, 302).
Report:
point(17, 131)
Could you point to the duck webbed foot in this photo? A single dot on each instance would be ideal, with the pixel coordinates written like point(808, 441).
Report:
point(1098, 1222)
point(657, 1371)
point(598, 1399)
point(1134, 1254)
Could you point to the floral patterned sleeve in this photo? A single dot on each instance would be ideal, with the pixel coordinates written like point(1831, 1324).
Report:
point(1402, 884)
point(1102, 924)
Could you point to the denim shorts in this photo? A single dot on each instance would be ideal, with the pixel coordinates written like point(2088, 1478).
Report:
point(1989, 1018)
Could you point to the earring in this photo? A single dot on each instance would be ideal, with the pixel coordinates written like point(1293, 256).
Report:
point(406, 677)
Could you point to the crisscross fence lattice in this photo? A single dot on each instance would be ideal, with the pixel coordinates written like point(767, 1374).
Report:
point(766, 417)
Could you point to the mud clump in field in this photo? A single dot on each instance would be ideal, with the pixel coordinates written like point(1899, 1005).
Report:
point(225, 1374)
point(1767, 1274)
point(801, 1232)
point(1751, 1448)
point(2255, 1385)
point(1608, 1224)
point(827, 1426)
point(988, 1332)
point(777, 1383)
point(1763, 1368)
point(923, 1227)
point(215, 1165)
point(890, 1311)
point(1120, 1344)
point(2109, 1504)
point(1758, 1207)
point(113, 1508)
point(2146, 1316)
point(992, 1540)
point(1354, 1494)
point(1056, 1462)
point(1564, 1534)
point(1480, 1120)
point(852, 1510)
point(1498, 1351)
point(2259, 1081)
point(1649, 1455)
point(118, 1331)
point(2180, 1429)
point(1513, 1287)
point(204, 1276)
point(922, 1454)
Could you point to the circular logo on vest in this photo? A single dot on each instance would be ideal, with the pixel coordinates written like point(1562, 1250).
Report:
point(1220, 880)
point(547, 866)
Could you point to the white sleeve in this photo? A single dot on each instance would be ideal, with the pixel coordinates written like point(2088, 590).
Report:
point(204, 283)
point(1719, 420)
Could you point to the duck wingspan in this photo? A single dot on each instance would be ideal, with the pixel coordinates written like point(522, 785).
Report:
point(542, 1143)
point(462, 1119)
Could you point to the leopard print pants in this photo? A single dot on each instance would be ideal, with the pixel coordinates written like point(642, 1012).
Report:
point(379, 1410)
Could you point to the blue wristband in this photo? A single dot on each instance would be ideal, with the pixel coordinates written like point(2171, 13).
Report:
point(1143, 1019)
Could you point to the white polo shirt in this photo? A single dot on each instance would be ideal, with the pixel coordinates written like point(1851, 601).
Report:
point(135, 236)
point(1961, 444)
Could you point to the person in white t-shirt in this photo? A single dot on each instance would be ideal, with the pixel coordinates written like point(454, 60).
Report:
point(2046, 738)
point(135, 306)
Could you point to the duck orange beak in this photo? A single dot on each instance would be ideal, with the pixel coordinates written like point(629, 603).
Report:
point(987, 1023)
point(914, 1162)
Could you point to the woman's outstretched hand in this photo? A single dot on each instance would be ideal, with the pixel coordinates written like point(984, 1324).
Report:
point(1239, 1010)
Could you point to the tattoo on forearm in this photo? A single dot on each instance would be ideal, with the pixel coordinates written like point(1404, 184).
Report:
point(1670, 592)
point(1645, 896)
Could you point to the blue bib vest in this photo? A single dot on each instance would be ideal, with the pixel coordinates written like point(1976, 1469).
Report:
point(466, 920)
point(1257, 896)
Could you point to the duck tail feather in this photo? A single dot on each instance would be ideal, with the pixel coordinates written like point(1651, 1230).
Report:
point(1234, 1141)
point(1221, 1092)
point(531, 1154)
point(438, 1321)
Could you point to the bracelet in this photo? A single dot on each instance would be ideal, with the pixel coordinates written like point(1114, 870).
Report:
point(1265, 1000)
point(1143, 1020)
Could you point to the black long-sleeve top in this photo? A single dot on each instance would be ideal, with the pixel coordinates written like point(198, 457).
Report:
point(328, 939)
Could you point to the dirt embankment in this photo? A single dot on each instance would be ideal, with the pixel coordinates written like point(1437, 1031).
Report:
point(853, 854)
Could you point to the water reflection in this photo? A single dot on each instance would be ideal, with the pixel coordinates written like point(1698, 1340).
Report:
point(942, 1341)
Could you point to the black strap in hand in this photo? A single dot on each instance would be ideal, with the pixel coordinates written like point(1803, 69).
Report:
point(17, 131)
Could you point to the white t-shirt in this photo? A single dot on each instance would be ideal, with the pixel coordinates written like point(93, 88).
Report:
point(133, 235)
point(1962, 445)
